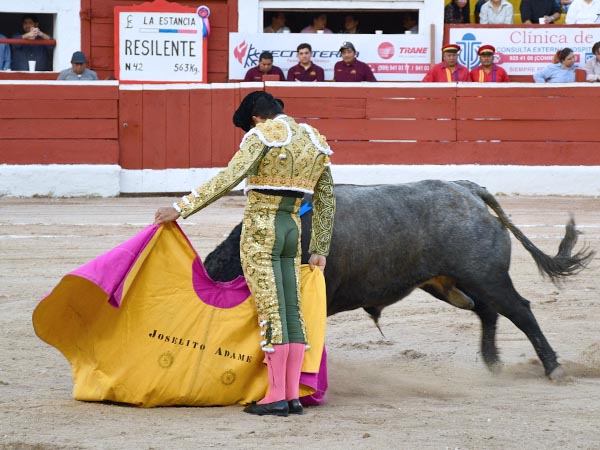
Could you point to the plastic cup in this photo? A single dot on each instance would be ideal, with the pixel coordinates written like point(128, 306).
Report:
point(378, 31)
point(408, 32)
point(31, 66)
point(320, 31)
point(542, 21)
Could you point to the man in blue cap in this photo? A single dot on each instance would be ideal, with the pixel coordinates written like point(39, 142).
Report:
point(78, 70)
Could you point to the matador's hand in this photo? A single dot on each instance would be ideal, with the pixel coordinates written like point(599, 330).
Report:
point(164, 215)
point(317, 261)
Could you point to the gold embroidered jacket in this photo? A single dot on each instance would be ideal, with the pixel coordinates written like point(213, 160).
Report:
point(277, 154)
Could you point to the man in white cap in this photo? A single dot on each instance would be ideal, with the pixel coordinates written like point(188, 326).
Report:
point(78, 70)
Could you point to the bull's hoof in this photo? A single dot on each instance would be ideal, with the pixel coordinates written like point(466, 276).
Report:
point(495, 368)
point(559, 374)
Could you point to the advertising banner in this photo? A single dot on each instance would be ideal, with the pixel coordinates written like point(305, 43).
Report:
point(524, 51)
point(161, 42)
point(392, 57)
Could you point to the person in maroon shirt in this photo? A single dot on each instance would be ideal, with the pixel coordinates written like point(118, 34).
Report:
point(349, 68)
point(305, 70)
point(265, 67)
point(448, 71)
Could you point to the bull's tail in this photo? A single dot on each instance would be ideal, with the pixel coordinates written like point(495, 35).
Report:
point(557, 267)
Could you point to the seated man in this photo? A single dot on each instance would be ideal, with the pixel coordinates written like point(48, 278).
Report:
point(448, 70)
point(592, 65)
point(305, 70)
point(350, 24)
point(350, 69)
point(534, 10)
point(488, 71)
point(410, 22)
point(319, 24)
point(265, 67)
point(78, 70)
point(277, 24)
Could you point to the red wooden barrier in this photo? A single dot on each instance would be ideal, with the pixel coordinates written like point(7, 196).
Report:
point(162, 127)
point(58, 124)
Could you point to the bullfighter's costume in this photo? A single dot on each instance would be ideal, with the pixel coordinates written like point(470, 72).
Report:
point(281, 160)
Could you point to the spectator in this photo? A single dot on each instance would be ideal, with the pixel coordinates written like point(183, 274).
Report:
point(448, 70)
point(562, 71)
point(477, 10)
point(78, 70)
point(277, 24)
point(583, 12)
point(319, 23)
point(305, 70)
point(350, 24)
point(496, 12)
point(534, 10)
point(4, 55)
point(488, 72)
point(349, 68)
point(564, 4)
point(410, 22)
point(457, 11)
point(592, 65)
point(265, 67)
point(22, 54)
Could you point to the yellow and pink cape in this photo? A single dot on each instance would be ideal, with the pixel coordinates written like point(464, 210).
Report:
point(145, 324)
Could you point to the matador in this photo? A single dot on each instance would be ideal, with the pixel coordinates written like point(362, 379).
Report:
point(281, 161)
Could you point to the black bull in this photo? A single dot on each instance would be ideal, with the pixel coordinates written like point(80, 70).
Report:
point(434, 235)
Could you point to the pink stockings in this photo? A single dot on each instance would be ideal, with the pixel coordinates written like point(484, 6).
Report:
point(284, 366)
point(294, 368)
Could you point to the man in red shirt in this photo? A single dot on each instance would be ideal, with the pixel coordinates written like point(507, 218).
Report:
point(265, 67)
point(448, 70)
point(349, 68)
point(488, 71)
point(305, 70)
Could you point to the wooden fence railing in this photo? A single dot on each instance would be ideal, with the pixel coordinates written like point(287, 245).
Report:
point(159, 127)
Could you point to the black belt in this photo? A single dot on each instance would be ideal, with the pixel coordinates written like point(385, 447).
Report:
point(280, 192)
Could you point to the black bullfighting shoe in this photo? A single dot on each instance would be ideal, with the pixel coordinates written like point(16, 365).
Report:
point(295, 407)
point(279, 408)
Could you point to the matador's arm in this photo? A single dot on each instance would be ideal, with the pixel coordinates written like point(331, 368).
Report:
point(323, 214)
point(243, 163)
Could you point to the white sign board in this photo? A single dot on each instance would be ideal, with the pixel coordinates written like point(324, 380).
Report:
point(160, 47)
point(392, 57)
point(524, 51)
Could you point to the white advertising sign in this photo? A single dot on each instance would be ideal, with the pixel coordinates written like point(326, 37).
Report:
point(524, 51)
point(392, 57)
point(160, 47)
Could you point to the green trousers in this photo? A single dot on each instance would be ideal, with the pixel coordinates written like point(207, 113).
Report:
point(270, 253)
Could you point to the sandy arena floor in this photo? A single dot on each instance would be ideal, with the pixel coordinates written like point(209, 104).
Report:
point(422, 387)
